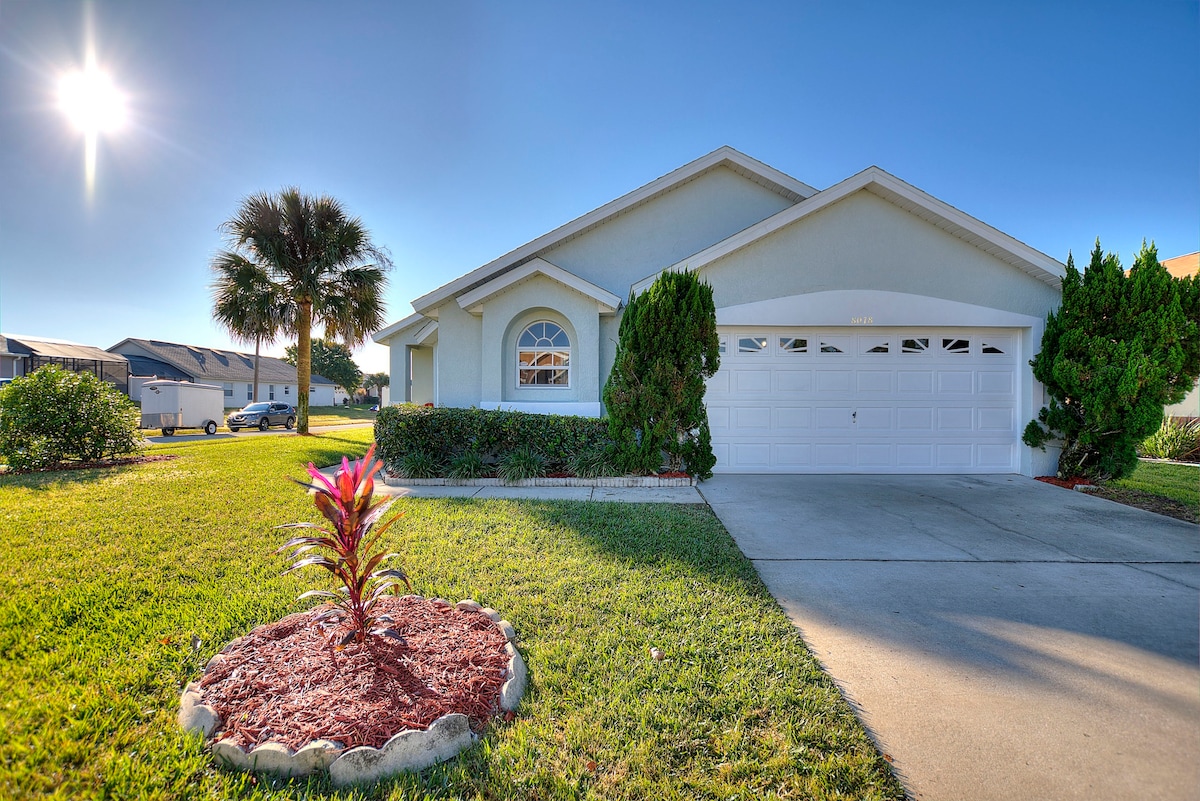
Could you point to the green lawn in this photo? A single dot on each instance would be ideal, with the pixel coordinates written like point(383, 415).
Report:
point(1152, 482)
point(108, 574)
point(333, 415)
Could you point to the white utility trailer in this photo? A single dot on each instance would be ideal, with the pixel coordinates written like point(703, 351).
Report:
point(169, 405)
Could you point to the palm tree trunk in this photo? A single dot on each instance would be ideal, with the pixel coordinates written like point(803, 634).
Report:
point(303, 363)
point(257, 343)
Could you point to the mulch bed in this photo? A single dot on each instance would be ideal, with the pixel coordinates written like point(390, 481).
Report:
point(285, 683)
point(1068, 483)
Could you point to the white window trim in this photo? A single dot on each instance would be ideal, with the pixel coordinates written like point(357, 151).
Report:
point(569, 350)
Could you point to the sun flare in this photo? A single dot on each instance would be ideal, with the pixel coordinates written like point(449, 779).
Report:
point(91, 101)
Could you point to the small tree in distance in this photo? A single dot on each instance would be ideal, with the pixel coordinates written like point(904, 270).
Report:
point(376, 381)
point(332, 360)
point(655, 393)
point(1119, 348)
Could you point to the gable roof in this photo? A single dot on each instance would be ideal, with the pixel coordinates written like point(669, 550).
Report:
point(473, 301)
point(726, 156)
point(907, 197)
point(210, 364)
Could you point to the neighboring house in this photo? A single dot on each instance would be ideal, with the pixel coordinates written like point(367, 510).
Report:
point(1182, 267)
point(22, 355)
point(868, 327)
point(152, 359)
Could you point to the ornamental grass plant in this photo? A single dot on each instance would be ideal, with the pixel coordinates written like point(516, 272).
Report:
point(119, 584)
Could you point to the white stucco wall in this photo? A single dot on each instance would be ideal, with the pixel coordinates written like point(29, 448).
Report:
point(507, 314)
point(684, 221)
point(458, 369)
point(1188, 407)
point(865, 242)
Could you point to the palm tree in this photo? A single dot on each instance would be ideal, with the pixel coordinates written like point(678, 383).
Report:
point(247, 304)
point(324, 265)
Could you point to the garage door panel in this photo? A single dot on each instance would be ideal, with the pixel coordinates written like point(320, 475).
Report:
point(833, 455)
point(874, 419)
point(955, 382)
point(996, 382)
point(879, 401)
point(874, 381)
point(793, 380)
point(833, 419)
point(789, 418)
point(793, 455)
point(838, 381)
point(756, 381)
point(914, 418)
point(751, 454)
point(957, 455)
point(998, 456)
point(996, 419)
point(954, 419)
point(873, 455)
point(752, 417)
point(910, 455)
point(915, 381)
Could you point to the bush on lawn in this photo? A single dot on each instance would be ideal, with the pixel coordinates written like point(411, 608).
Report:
point(444, 434)
point(53, 416)
point(1173, 440)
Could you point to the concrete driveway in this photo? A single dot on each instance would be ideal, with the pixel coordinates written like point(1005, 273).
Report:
point(1001, 638)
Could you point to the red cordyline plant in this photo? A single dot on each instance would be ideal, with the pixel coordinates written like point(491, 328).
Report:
point(350, 550)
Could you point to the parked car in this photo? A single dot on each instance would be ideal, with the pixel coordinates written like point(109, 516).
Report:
point(263, 415)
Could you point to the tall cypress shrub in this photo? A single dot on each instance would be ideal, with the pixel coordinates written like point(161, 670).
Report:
point(1119, 348)
point(655, 393)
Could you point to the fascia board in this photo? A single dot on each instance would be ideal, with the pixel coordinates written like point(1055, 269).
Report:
point(687, 172)
point(1031, 261)
point(472, 301)
point(397, 327)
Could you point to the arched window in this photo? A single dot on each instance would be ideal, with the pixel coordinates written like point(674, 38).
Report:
point(543, 356)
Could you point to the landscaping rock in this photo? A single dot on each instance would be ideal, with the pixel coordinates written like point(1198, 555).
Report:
point(195, 716)
point(407, 751)
point(514, 688)
point(510, 633)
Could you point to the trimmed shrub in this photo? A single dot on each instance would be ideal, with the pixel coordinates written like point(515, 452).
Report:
point(1173, 440)
point(53, 416)
point(444, 433)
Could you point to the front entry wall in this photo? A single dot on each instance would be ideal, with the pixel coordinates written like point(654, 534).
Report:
point(878, 400)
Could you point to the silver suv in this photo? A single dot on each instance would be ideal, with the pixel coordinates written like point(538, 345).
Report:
point(262, 415)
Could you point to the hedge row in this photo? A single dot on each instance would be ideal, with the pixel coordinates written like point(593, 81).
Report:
point(445, 432)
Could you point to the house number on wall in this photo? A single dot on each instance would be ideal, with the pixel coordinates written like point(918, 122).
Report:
point(862, 321)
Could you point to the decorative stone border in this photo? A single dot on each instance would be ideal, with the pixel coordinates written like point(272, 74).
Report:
point(411, 750)
point(619, 481)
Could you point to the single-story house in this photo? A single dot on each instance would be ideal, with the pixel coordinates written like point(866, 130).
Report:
point(1182, 267)
point(153, 359)
point(21, 356)
point(865, 328)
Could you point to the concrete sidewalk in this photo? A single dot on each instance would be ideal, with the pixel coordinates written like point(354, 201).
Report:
point(616, 494)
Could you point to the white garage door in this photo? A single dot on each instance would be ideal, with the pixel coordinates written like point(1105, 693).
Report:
point(878, 400)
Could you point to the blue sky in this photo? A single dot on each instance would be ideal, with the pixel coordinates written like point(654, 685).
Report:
point(460, 130)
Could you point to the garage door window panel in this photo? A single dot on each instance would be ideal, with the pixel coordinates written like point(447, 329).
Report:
point(755, 344)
